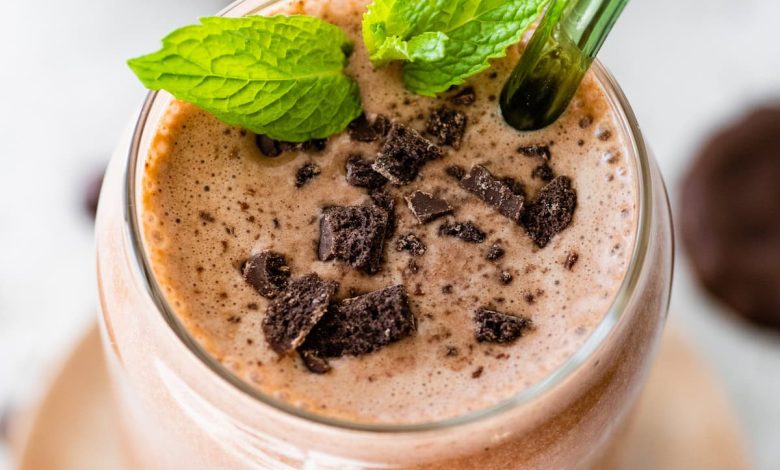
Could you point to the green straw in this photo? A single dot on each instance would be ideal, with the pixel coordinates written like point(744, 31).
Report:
point(555, 61)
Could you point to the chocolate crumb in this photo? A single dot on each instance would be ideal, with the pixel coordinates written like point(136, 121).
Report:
point(543, 172)
point(571, 260)
point(354, 235)
point(456, 171)
point(360, 173)
point(530, 298)
point(295, 311)
point(411, 244)
point(466, 231)
point(542, 151)
point(273, 148)
point(551, 212)
point(447, 289)
point(362, 130)
point(427, 207)
point(206, 217)
point(267, 272)
point(447, 126)
point(496, 327)
point(405, 151)
point(604, 134)
point(252, 306)
point(305, 174)
point(477, 373)
point(494, 192)
point(505, 277)
point(451, 351)
point(363, 324)
point(276, 223)
point(314, 362)
point(412, 266)
point(586, 121)
point(495, 252)
point(465, 96)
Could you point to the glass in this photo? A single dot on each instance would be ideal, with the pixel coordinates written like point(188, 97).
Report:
point(182, 409)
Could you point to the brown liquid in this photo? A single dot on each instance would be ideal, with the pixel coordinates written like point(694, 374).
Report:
point(211, 199)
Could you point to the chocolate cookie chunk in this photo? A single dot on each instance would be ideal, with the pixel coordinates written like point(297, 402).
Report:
point(543, 172)
point(541, 151)
point(427, 207)
point(361, 175)
point(362, 130)
point(294, 312)
point(730, 216)
point(551, 212)
point(456, 171)
point(405, 151)
point(447, 126)
point(363, 324)
point(267, 272)
point(411, 244)
point(496, 327)
point(305, 174)
point(354, 235)
point(466, 231)
point(494, 192)
point(386, 201)
point(495, 252)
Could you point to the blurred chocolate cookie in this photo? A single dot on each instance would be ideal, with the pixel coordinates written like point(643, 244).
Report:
point(730, 220)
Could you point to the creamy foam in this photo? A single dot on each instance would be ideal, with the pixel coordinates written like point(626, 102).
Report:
point(211, 199)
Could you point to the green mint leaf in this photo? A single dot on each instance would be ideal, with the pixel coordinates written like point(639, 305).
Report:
point(282, 76)
point(469, 32)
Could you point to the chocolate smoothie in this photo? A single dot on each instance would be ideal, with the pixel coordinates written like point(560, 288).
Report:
point(490, 254)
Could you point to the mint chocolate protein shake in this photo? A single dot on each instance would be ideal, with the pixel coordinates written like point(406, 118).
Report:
point(326, 249)
point(428, 262)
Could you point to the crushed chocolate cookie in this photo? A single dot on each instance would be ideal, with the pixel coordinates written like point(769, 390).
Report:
point(354, 235)
point(494, 192)
point(496, 327)
point(206, 217)
point(586, 121)
point(405, 151)
point(542, 151)
point(551, 212)
point(427, 207)
point(571, 260)
point(362, 130)
point(305, 174)
point(505, 277)
point(267, 272)
point(360, 173)
point(465, 96)
point(412, 266)
point(363, 324)
point(543, 172)
point(477, 373)
point(273, 148)
point(451, 351)
point(456, 171)
point(385, 201)
point(447, 126)
point(495, 252)
point(314, 362)
point(292, 314)
point(466, 231)
point(448, 289)
point(411, 244)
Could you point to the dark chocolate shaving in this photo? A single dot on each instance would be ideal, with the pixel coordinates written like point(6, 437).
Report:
point(294, 312)
point(543, 172)
point(305, 174)
point(354, 235)
point(427, 207)
point(496, 327)
point(551, 212)
point(447, 126)
point(542, 151)
point(494, 192)
point(363, 324)
point(411, 244)
point(314, 362)
point(465, 96)
point(267, 272)
point(360, 174)
point(405, 151)
point(466, 231)
point(362, 130)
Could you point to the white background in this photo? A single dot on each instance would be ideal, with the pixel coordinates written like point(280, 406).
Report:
point(66, 94)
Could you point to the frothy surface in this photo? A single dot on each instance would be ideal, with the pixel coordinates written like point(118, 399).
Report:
point(211, 200)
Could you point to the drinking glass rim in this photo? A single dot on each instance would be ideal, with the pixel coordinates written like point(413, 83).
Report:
point(626, 119)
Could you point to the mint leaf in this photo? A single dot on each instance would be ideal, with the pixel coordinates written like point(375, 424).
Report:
point(281, 76)
point(469, 32)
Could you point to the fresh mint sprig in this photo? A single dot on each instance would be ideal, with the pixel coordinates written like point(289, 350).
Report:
point(443, 42)
point(281, 76)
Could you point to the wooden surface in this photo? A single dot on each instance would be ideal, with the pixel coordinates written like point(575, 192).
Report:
point(683, 420)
